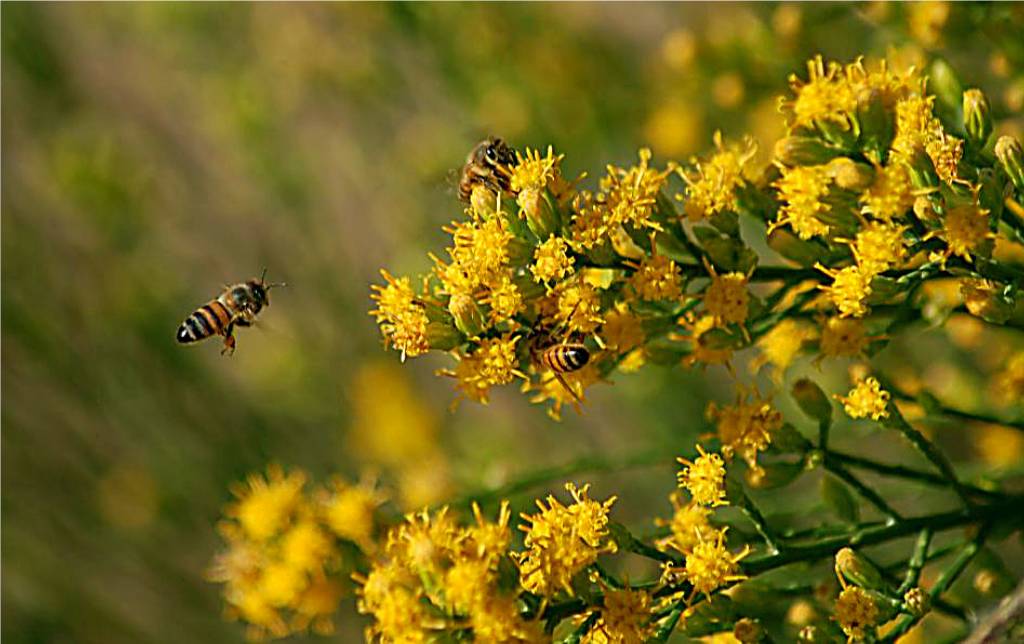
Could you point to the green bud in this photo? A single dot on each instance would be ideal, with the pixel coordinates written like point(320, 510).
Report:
point(812, 400)
point(624, 244)
point(443, 336)
point(519, 252)
point(1011, 158)
point(858, 570)
point(841, 135)
point(468, 317)
point(977, 118)
point(541, 215)
point(916, 602)
point(838, 499)
point(922, 169)
point(804, 150)
point(944, 84)
point(850, 175)
point(876, 123)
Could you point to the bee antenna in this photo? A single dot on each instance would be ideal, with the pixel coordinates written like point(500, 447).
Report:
point(275, 285)
point(263, 276)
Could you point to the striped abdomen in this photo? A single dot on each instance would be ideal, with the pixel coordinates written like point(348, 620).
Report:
point(565, 358)
point(209, 319)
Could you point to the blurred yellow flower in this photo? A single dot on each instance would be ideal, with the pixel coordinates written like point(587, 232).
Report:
point(711, 185)
point(689, 519)
point(266, 505)
point(855, 611)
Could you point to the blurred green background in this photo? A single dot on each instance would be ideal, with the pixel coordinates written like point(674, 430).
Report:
point(153, 152)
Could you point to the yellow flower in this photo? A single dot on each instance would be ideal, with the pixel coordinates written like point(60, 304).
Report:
point(781, 344)
point(709, 565)
point(493, 362)
point(589, 220)
point(548, 387)
point(656, 278)
point(890, 194)
point(726, 298)
point(926, 20)
point(704, 478)
point(1008, 385)
point(843, 337)
point(562, 540)
point(824, 97)
point(281, 583)
point(551, 260)
point(711, 186)
point(401, 317)
point(488, 541)
point(424, 541)
point(916, 125)
point(700, 353)
point(965, 228)
point(802, 189)
point(505, 300)
point(262, 617)
point(467, 584)
point(632, 193)
point(849, 290)
point(534, 171)
point(622, 331)
point(579, 307)
point(745, 428)
point(481, 248)
point(316, 605)
point(879, 247)
point(266, 506)
point(999, 446)
point(855, 611)
point(306, 547)
point(497, 619)
point(867, 398)
point(349, 511)
point(625, 618)
point(687, 522)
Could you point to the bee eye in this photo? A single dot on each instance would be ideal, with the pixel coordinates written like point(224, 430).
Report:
point(490, 154)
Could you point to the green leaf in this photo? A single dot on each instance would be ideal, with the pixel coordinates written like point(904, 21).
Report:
point(710, 616)
point(839, 499)
point(812, 400)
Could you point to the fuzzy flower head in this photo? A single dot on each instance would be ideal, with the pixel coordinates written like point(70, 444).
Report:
point(802, 190)
point(704, 478)
point(688, 521)
point(493, 362)
point(505, 300)
point(866, 399)
point(916, 125)
point(578, 307)
point(879, 247)
point(843, 337)
point(855, 612)
point(849, 290)
point(481, 248)
point(535, 171)
point(746, 427)
point(622, 331)
point(551, 261)
point(711, 186)
point(657, 278)
point(964, 229)
point(710, 565)
point(569, 390)
point(401, 317)
point(726, 298)
point(824, 97)
point(700, 352)
point(349, 510)
point(890, 194)
point(562, 540)
point(266, 506)
point(781, 345)
point(631, 194)
point(625, 618)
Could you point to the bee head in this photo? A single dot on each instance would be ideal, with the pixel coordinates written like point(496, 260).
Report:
point(260, 287)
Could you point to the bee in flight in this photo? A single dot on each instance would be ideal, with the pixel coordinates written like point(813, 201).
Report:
point(487, 164)
point(562, 358)
point(238, 305)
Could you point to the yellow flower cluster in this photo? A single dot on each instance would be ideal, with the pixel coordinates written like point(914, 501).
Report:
point(563, 540)
point(281, 569)
point(746, 427)
point(866, 399)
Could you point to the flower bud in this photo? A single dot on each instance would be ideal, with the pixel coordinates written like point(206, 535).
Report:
point(922, 169)
point(925, 209)
point(858, 570)
point(804, 150)
point(916, 602)
point(977, 118)
point(876, 122)
point(850, 175)
point(1011, 158)
point(812, 400)
point(624, 244)
point(985, 300)
point(748, 631)
point(468, 317)
point(483, 201)
point(541, 216)
point(443, 336)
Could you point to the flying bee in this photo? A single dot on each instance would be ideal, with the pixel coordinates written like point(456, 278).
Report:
point(488, 164)
point(237, 305)
point(562, 358)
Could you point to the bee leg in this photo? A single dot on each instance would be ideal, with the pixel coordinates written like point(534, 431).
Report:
point(229, 341)
point(565, 384)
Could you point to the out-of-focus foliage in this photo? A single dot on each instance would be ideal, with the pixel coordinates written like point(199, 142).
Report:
point(153, 152)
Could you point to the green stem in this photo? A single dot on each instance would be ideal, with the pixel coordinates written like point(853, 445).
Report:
point(752, 512)
point(928, 450)
point(954, 413)
point(924, 539)
point(900, 471)
point(577, 634)
point(669, 625)
point(864, 491)
point(945, 580)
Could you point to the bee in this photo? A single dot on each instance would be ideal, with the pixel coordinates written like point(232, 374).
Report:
point(488, 164)
point(237, 305)
point(561, 358)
